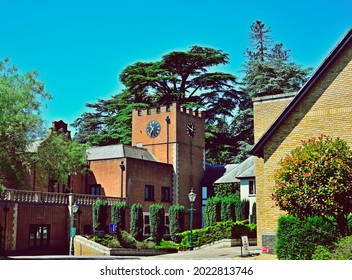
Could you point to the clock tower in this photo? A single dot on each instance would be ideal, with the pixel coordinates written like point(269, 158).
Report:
point(174, 135)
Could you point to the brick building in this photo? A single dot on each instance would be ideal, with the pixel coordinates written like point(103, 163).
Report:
point(165, 161)
point(321, 106)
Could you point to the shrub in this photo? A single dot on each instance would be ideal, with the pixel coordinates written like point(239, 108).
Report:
point(228, 208)
point(157, 221)
point(253, 218)
point(341, 251)
point(126, 240)
point(118, 214)
point(212, 213)
point(242, 210)
point(298, 239)
point(221, 230)
point(100, 214)
point(321, 253)
point(177, 221)
point(315, 180)
point(136, 224)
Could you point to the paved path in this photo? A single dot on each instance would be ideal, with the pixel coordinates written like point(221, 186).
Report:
point(197, 254)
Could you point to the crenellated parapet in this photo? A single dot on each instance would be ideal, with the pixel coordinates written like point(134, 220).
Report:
point(174, 107)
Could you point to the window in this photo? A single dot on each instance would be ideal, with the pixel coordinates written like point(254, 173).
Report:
point(252, 189)
point(167, 224)
point(95, 189)
point(146, 224)
point(165, 194)
point(39, 236)
point(149, 193)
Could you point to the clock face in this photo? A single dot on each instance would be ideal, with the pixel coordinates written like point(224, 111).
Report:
point(153, 129)
point(191, 129)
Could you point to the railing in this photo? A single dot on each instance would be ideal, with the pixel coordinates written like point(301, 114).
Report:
point(20, 196)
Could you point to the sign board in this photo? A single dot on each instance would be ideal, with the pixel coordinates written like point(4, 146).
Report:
point(72, 232)
point(112, 228)
point(245, 246)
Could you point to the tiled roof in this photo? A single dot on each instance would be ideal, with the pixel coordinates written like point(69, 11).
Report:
point(119, 151)
point(242, 170)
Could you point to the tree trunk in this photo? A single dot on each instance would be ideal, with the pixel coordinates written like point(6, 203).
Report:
point(342, 224)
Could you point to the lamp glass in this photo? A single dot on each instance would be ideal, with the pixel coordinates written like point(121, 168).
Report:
point(75, 208)
point(192, 196)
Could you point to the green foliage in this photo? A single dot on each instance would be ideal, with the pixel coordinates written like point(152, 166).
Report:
point(268, 69)
point(315, 180)
point(21, 97)
point(297, 239)
point(182, 76)
point(224, 190)
point(171, 246)
point(108, 121)
point(242, 210)
point(118, 214)
point(342, 250)
point(100, 214)
point(253, 218)
point(321, 253)
point(221, 209)
point(177, 220)
point(58, 158)
point(221, 230)
point(212, 212)
point(228, 206)
point(157, 221)
point(136, 222)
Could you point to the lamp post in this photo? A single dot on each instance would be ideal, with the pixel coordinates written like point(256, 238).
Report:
point(5, 208)
point(72, 208)
point(123, 167)
point(192, 198)
point(168, 121)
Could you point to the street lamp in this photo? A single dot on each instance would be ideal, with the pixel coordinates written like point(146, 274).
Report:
point(192, 198)
point(72, 208)
point(5, 208)
point(123, 167)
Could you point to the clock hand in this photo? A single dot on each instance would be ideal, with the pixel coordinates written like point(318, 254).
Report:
point(151, 131)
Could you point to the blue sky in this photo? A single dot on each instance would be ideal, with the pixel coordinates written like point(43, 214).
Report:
point(79, 47)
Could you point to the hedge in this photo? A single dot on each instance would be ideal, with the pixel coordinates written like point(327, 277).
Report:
point(136, 223)
point(157, 222)
point(221, 230)
point(298, 239)
point(177, 221)
point(118, 215)
point(212, 212)
point(100, 214)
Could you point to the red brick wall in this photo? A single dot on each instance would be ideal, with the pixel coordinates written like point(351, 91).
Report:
point(186, 154)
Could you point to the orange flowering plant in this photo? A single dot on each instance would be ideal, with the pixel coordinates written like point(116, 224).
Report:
point(316, 180)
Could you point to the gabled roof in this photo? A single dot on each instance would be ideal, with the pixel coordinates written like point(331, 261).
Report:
point(119, 151)
point(243, 170)
point(257, 150)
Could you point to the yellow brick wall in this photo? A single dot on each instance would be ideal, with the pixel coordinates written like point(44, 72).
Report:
point(266, 109)
point(326, 109)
